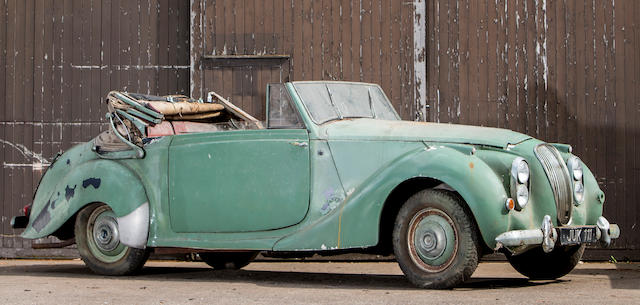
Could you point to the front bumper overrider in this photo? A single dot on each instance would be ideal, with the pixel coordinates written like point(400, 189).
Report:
point(518, 241)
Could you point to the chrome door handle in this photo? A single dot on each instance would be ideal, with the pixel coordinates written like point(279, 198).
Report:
point(299, 144)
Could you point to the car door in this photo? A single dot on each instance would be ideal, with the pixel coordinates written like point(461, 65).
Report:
point(238, 181)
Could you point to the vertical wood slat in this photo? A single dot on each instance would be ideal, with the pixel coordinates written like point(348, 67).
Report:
point(3, 96)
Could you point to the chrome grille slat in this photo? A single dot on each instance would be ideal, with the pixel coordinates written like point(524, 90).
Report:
point(559, 178)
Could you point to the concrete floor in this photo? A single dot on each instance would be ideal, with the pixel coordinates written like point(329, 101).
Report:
point(169, 282)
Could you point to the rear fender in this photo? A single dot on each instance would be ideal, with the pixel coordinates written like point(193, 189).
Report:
point(93, 181)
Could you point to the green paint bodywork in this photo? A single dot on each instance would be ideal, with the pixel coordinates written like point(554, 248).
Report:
point(255, 189)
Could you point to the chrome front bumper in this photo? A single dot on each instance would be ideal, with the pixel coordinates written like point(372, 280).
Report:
point(518, 241)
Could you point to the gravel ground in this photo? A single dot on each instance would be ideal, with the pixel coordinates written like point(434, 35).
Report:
point(170, 282)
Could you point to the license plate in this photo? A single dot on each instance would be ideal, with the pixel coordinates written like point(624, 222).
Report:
point(577, 235)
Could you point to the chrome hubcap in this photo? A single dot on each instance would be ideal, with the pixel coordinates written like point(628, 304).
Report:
point(105, 233)
point(432, 240)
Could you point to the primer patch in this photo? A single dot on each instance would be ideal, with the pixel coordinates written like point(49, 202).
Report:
point(95, 182)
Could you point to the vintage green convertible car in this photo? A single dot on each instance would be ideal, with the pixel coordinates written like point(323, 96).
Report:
point(332, 170)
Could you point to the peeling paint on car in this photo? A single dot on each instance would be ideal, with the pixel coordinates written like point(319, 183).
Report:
point(333, 200)
point(69, 192)
point(95, 182)
point(43, 218)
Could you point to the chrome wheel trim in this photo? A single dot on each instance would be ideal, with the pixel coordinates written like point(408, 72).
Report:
point(432, 240)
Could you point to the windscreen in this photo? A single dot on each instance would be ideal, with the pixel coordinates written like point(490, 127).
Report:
point(334, 101)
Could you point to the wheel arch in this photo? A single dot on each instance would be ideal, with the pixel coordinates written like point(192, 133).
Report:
point(468, 176)
point(104, 181)
point(396, 199)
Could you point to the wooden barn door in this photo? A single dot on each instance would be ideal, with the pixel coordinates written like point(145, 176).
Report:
point(243, 80)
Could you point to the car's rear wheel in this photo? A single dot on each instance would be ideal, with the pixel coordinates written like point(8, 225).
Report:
point(227, 260)
point(538, 265)
point(97, 237)
point(435, 240)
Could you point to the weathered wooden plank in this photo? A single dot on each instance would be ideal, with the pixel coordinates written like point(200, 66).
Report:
point(346, 71)
point(454, 83)
point(570, 97)
point(531, 65)
point(8, 156)
point(551, 48)
point(152, 45)
point(406, 58)
point(249, 99)
point(493, 51)
point(163, 45)
point(580, 76)
point(511, 88)
point(197, 47)
point(325, 39)
point(306, 41)
point(18, 61)
point(386, 47)
point(631, 135)
point(55, 96)
point(3, 64)
point(105, 56)
point(443, 64)
point(598, 110)
point(172, 42)
point(365, 41)
point(502, 76)
point(38, 61)
point(95, 92)
point(560, 68)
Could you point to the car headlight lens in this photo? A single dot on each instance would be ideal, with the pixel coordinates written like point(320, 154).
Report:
point(520, 170)
point(575, 170)
point(578, 191)
point(575, 167)
point(520, 182)
point(522, 195)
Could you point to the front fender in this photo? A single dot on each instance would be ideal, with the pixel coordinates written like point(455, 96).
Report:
point(480, 187)
point(64, 191)
point(357, 218)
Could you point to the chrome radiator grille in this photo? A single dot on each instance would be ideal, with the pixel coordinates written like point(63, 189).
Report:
point(559, 179)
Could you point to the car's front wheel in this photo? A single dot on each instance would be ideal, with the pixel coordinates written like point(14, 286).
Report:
point(435, 240)
point(538, 265)
point(227, 260)
point(98, 241)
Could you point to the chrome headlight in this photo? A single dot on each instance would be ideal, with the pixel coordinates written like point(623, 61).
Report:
point(575, 169)
point(578, 191)
point(520, 170)
point(520, 182)
point(522, 195)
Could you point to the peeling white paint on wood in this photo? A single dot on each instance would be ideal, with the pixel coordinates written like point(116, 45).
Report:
point(127, 67)
point(419, 59)
point(38, 163)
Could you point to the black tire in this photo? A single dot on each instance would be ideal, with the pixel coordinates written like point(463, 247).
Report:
point(227, 260)
point(435, 240)
point(538, 265)
point(107, 256)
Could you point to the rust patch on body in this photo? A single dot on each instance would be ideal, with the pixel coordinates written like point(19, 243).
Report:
point(471, 165)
